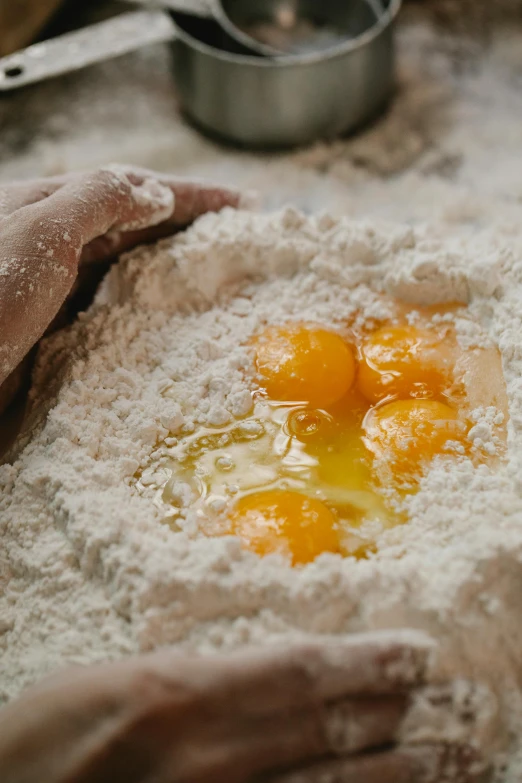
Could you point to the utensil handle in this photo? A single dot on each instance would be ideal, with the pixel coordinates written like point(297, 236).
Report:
point(202, 8)
point(93, 44)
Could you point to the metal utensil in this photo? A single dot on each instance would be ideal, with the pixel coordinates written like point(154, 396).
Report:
point(116, 37)
point(250, 100)
point(233, 17)
point(292, 100)
point(278, 27)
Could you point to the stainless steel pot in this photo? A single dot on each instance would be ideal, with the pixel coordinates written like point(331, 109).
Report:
point(249, 100)
point(290, 100)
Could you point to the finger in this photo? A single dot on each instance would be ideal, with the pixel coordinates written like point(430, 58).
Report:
point(241, 750)
point(351, 726)
point(256, 744)
point(342, 729)
point(275, 679)
point(115, 243)
point(219, 739)
point(202, 199)
point(86, 207)
point(193, 197)
point(457, 712)
point(422, 764)
point(18, 194)
point(144, 201)
point(191, 200)
point(363, 664)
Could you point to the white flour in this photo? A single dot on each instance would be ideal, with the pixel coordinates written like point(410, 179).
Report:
point(90, 571)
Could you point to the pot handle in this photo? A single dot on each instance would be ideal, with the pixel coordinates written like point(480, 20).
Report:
point(72, 51)
point(202, 8)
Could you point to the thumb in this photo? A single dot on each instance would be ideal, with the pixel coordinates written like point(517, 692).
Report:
point(147, 201)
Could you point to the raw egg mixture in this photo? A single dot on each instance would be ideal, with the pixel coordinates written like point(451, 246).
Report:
point(345, 421)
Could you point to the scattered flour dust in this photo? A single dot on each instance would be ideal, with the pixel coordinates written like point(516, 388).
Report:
point(89, 571)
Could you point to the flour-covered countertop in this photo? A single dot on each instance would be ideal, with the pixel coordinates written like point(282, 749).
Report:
point(449, 150)
point(92, 574)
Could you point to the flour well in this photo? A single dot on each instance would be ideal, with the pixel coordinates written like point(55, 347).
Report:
point(92, 573)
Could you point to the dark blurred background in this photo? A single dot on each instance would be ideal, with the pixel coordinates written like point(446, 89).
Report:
point(25, 21)
point(448, 147)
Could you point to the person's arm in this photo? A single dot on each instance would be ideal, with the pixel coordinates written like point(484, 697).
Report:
point(49, 227)
point(302, 714)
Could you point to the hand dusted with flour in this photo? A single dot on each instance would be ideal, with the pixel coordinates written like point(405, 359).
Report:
point(163, 351)
point(296, 712)
point(50, 227)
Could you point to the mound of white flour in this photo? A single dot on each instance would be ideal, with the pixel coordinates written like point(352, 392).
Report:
point(89, 572)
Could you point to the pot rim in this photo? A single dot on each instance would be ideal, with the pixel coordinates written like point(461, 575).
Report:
point(372, 33)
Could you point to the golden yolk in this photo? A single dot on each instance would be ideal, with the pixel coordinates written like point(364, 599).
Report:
point(302, 362)
point(359, 437)
point(404, 361)
point(407, 434)
point(286, 522)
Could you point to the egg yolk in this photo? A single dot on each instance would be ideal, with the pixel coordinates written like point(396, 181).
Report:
point(407, 434)
point(354, 422)
point(302, 362)
point(286, 522)
point(404, 361)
